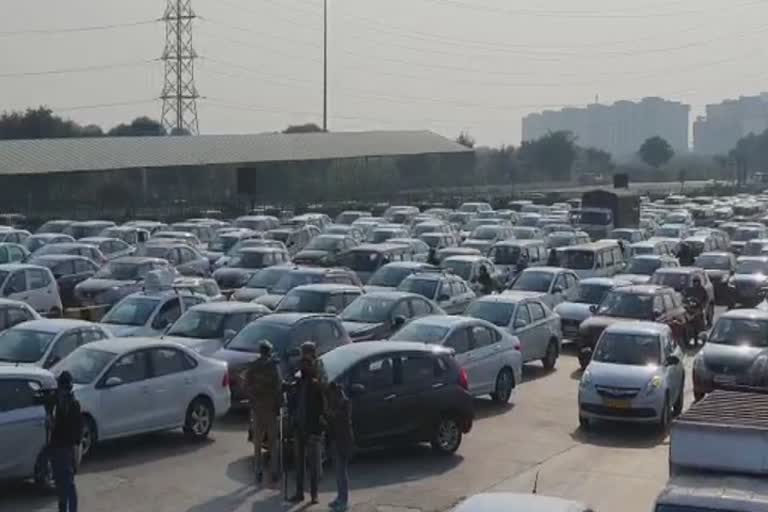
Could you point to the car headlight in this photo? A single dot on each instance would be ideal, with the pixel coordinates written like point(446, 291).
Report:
point(653, 385)
point(586, 380)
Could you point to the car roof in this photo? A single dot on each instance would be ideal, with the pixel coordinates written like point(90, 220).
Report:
point(327, 287)
point(121, 345)
point(255, 249)
point(753, 258)
point(50, 235)
point(511, 296)
point(11, 267)
point(407, 265)
point(11, 302)
point(469, 258)
point(430, 276)
point(644, 289)
point(506, 502)
point(54, 325)
point(229, 307)
point(550, 270)
point(679, 270)
point(603, 281)
point(649, 257)
point(138, 260)
point(746, 314)
point(292, 318)
point(637, 327)
point(391, 294)
point(446, 320)
point(716, 253)
point(365, 349)
point(58, 257)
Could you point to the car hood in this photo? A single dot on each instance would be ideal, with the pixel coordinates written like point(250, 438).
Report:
point(373, 288)
point(125, 331)
point(357, 328)
point(235, 359)
point(573, 311)
point(200, 345)
point(269, 300)
point(621, 375)
point(99, 285)
point(633, 278)
point(731, 357)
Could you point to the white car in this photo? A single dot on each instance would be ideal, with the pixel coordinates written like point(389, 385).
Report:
point(129, 386)
point(149, 313)
point(491, 356)
point(32, 284)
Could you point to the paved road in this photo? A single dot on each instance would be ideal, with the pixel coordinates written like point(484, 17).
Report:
point(537, 434)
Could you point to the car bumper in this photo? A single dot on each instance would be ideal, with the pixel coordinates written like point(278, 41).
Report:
point(640, 409)
point(222, 403)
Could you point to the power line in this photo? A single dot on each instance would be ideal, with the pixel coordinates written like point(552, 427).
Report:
point(70, 30)
point(104, 105)
point(84, 69)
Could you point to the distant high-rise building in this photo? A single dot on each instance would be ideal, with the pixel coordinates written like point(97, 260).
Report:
point(728, 121)
point(620, 128)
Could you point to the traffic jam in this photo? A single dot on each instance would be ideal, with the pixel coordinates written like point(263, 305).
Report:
point(651, 296)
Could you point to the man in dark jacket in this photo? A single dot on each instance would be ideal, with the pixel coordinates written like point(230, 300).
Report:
point(308, 422)
point(341, 434)
point(66, 436)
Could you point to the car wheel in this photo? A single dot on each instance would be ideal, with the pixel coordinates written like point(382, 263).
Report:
point(199, 419)
point(664, 418)
point(584, 422)
point(677, 410)
point(505, 383)
point(89, 437)
point(550, 357)
point(43, 476)
point(447, 436)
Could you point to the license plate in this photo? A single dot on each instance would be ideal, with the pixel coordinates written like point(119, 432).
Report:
point(618, 404)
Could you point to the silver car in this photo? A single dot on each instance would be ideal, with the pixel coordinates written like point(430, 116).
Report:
point(23, 433)
point(525, 316)
point(636, 375)
point(589, 292)
point(450, 292)
point(552, 284)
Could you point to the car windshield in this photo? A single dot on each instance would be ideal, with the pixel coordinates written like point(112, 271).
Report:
point(740, 332)
point(368, 310)
point(247, 260)
point(745, 235)
point(577, 260)
point(123, 271)
point(379, 236)
point(643, 266)
point(752, 267)
point(303, 301)
point(85, 364)
point(390, 277)
point(485, 233)
point(628, 349)
point(291, 280)
point(534, 281)
point(266, 277)
point(677, 280)
point(250, 337)
point(463, 269)
point(421, 333)
point(668, 232)
point(627, 305)
point(505, 255)
point(711, 262)
point(424, 287)
point(199, 324)
point(590, 293)
point(24, 345)
point(498, 313)
point(131, 311)
point(324, 243)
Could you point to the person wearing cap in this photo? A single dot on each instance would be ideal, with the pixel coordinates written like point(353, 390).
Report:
point(66, 436)
point(264, 391)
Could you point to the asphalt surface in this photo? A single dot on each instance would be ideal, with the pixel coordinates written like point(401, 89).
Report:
point(535, 437)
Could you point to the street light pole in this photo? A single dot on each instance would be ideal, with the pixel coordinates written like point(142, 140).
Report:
point(325, 65)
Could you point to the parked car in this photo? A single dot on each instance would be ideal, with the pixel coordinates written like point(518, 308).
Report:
point(148, 313)
point(32, 284)
point(403, 393)
point(468, 267)
point(588, 293)
point(246, 263)
point(378, 315)
point(347, 217)
point(450, 292)
point(329, 298)
point(418, 249)
point(526, 317)
point(14, 236)
point(23, 431)
point(38, 240)
point(111, 248)
point(54, 226)
point(74, 248)
point(323, 250)
point(204, 286)
point(353, 232)
point(483, 237)
point(553, 284)
point(295, 239)
point(286, 332)
point(392, 274)
point(233, 251)
point(13, 312)
point(117, 279)
point(69, 271)
point(131, 235)
point(640, 268)
point(206, 327)
point(491, 356)
point(184, 237)
point(13, 253)
point(747, 285)
point(681, 278)
point(636, 375)
point(719, 267)
point(84, 229)
point(306, 275)
point(260, 282)
point(45, 342)
point(129, 386)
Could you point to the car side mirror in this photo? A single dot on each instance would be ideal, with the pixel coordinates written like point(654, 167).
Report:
point(673, 360)
point(229, 334)
point(113, 382)
point(443, 297)
point(593, 308)
point(356, 390)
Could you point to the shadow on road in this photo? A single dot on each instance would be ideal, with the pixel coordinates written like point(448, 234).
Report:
point(619, 435)
point(486, 408)
point(24, 496)
point(234, 500)
point(534, 371)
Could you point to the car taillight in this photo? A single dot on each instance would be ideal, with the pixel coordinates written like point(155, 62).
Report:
point(464, 379)
point(225, 380)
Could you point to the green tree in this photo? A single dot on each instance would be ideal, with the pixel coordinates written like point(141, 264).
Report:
point(139, 127)
point(38, 123)
point(598, 160)
point(303, 128)
point(553, 154)
point(466, 140)
point(656, 152)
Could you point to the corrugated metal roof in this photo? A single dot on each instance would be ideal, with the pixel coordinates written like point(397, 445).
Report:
point(107, 153)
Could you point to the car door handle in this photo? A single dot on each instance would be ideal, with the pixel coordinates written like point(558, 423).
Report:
point(438, 385)
point(390, 397)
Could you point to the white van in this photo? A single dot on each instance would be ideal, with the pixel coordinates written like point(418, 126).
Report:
point(598, 259)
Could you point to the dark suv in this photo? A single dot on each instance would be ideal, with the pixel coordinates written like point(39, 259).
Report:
point(403, 392)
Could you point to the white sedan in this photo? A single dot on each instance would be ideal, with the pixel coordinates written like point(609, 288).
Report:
point(129, 386)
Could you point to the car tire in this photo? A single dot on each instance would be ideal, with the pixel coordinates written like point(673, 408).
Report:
point(665, 416)
point(199, 419)
point(677, 410)
point(584, 422)
point(550, 357)
point(89, 437)
point(43, 476)
point(447, 437)
point(505, 383)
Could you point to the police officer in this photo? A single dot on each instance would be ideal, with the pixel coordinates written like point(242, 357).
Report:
point(264, 388)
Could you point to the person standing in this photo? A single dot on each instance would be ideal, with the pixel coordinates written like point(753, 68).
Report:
point(309, 420)
point(342, 437)
point(264, 387)
point(66, 436)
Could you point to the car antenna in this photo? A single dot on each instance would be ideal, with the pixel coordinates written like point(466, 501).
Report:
point(536, 483)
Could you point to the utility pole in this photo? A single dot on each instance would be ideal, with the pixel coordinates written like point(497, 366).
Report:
point(179, 93)
point(325, 65)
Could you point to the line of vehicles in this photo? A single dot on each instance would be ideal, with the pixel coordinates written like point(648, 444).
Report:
point(162, 319)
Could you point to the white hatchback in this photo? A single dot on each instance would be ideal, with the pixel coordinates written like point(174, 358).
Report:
point(129, 386)
point(32, 284)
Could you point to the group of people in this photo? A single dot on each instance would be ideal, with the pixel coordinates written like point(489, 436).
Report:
point(315, 409)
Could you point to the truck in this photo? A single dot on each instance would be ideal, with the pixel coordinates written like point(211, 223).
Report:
point(603, 210)
point(718, 455)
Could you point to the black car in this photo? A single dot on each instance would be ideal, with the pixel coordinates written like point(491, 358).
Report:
point(286, 332)
point(378, 315)
point(323, 250)
point(69, 271)
point(117, 279)
point(403, 392)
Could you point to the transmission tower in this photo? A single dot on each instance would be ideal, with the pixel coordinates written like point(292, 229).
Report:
point(179, 92)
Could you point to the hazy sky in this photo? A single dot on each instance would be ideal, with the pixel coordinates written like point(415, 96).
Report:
point(444, 65)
